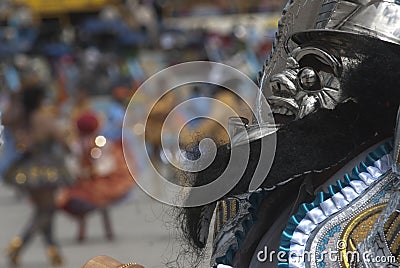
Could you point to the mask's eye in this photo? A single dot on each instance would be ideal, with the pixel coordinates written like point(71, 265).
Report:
point(314, 62)
point(319, 60)
point(309, 79)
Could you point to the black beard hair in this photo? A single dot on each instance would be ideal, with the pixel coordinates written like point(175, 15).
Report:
point(322, 140)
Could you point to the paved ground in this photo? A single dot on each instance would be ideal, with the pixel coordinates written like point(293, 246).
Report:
point(140, 224)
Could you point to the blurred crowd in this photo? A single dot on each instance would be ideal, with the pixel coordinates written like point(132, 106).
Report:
point(65, 86)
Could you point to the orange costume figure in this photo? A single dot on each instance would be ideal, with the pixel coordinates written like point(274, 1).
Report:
point(103, 179)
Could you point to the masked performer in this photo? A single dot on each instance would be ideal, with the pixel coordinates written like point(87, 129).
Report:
point(40, 170)
point(336, 98)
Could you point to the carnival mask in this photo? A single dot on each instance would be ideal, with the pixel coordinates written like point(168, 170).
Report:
point(310, 81)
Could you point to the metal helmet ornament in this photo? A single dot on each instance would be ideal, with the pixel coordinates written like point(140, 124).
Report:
point(297, 16)
point(341, 22)
point(318, 57)
point(293, 20)
point(317, 42)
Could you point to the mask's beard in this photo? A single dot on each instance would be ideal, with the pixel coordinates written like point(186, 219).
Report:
point(322, 140)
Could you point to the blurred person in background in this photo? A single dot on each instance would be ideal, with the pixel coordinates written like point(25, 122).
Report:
point(114, 120)
point(145, 15)
point(8, 153)
point(103, 179)
point(40, 169)
point(216, 129)
point(77, 103)
point(22, 31)
point(81, 102)
point(115, 113)
point(155, 121)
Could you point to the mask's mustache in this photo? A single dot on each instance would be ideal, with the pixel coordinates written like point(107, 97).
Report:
point(302, 146)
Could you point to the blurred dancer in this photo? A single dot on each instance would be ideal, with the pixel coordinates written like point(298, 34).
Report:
point(154, 124)
point(40, 170)
point(81, 101)
point(115, 114)
point(216, 129)
point(104, 178)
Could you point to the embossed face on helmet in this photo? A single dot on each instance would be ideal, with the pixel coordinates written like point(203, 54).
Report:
point(311, 81)
point(312, 78)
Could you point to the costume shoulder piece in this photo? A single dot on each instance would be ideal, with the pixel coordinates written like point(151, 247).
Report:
point(355, 222)
point(333, 228)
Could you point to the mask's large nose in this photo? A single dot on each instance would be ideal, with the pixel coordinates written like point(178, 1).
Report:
point(283, 83)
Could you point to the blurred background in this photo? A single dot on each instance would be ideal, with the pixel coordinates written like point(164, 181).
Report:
point(68, 69)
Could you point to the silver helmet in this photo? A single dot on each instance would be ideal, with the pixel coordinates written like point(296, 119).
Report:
point(317, 57)
point(317, 42)
point(291, 21)
point(343, 21)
